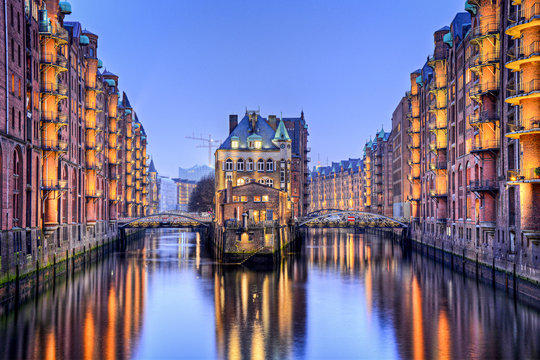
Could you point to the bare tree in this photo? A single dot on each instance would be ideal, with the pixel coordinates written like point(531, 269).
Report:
point(202, 198)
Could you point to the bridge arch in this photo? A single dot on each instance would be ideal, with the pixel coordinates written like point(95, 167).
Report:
point(159, 217)
point(362, 219)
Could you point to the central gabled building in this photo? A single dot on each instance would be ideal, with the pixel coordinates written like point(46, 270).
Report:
point(257, 150)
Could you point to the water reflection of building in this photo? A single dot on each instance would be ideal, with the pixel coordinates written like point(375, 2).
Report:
point(96, 314)
point(252, 306)
point(433, 311)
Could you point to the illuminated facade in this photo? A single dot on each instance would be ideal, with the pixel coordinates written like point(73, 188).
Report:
point(63, 139)
point(184, 190)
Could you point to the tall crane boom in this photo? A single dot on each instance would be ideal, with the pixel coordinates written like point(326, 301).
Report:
point(209, 143)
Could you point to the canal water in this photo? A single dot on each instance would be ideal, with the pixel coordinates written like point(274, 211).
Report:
point(343, 296)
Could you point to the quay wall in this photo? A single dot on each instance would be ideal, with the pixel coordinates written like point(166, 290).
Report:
point(29, 260)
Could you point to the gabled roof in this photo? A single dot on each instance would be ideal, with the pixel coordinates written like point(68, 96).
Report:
point(244, 130)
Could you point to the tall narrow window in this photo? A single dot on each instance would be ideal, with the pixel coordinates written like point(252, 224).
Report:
point(228, 165)
point(240, 165)
point(17, 188)
point(249, 165)
point(260, 165)
point(269, 165)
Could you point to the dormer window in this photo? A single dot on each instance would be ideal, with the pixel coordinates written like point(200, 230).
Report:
point(235, 142)
point(258, 144)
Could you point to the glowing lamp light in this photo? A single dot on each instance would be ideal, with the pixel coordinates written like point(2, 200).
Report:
point(258, 144)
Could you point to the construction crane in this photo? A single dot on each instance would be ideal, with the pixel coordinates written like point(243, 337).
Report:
point(209, 143)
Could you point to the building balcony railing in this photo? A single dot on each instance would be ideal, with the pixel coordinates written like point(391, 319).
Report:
point(52, 88)
point(95, 194)
point(93, 107)
point(438, 165)
point(483, 185)
point(57, 60)
point(525, 17)
point(484, 117)
point(53, 118)
point(485, 145)
point(96, 86)
point(524, 176)
point(490, 27)
point(522, 54)
point(54, 145)
point(523, 127)
point(54, 185)
point(436, 146)
point(413, 146)
point(436, 106)
point(412, 178)
point(438, 84)
point(412, 131)
point(437, 193)
point(413, 198)
point(413, 163)
point(436, 126)
point(480, 89)
point(484, 59)
point(524, 89)
point(94, 166)
point(59, 33)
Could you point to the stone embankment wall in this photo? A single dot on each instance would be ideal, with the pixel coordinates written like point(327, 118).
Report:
point(29, 259)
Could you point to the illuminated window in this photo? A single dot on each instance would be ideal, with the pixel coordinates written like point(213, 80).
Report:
point(228, 177)
point(258, 144)
point(243, 198)
point(262, 181)
point(240, 182)
point(257, 199)
point(228, 165)
point(235, 198)
point(265, 198)
point(234, 144)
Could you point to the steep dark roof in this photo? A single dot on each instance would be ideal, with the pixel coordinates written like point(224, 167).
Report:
point(152, 167)
point(125, 100)
point(243, 130)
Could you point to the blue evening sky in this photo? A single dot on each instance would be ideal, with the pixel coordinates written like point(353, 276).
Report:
point(187, 65)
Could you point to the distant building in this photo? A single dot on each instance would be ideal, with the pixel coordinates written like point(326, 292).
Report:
point(167, 194)
point(195, 173)
point(184, 189)
point(153, 189)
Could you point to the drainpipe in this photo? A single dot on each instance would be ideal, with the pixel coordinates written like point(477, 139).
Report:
point(7, 91)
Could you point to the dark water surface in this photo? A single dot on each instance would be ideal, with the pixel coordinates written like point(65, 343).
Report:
point(345, 296)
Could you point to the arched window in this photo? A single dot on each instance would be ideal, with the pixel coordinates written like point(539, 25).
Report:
point(269, 165)
point(17, 188)
point(262, 181)
point(240, 165)
point(228, 165)
point(64, 198)
point(240, 182)
point(260, 165)
point(270, 182)
point(249, 165)
point(74, 197)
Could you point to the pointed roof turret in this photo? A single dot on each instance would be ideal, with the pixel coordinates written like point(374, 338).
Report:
point(152, 167)
point(281, 133)
point(125, 100)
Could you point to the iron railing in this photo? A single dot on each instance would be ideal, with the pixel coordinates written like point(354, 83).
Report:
point(524, 125)
point(520, 175)
point(483, 185)
point(485, 145)
point(484, 117)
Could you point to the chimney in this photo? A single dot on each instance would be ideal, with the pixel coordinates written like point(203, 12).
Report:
point(229, 192)
point(272, 121)
point(233, 122)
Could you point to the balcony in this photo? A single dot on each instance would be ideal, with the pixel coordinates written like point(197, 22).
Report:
point(527, 17)
point(438, 165)
point(51, 185)
point(96, 86)
point(413, 146)
point(484, 117)
point(56, 60)
point(481, 89)
point(523, 127)
point(438, 84)
point(55, 89)
point(94, 166)
point(483, 185)
point(437, 193)
point(95, 194)
point(488, 29)
point(483, 59)
point(412, 178)
point(434, 126)
point(525, 90)
point(54, 118)
point(54, 145)
point(413, 198)
point(436, 106)
point(58, 33)
point(523, 54)
point(523, 176)
point(485, 145)
point(412, 131)
point(436, 146)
